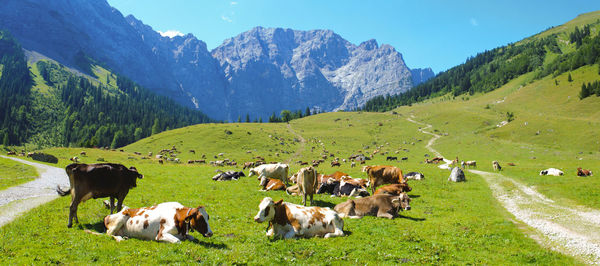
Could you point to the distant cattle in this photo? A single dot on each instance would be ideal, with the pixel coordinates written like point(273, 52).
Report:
point(552, 171)
point(383, 174)
point(11, 153)
point(271, 184)
point(307, 183)
point(74, 159)
point(276, 171)
point(341, 188)
point(414, 176)
point(391, 158)
point(335, 163)
point(382, 205)
point(83, 153)
point(511, 164)
point(393, 189)
point(165, 222)
point(583, 172)
point(470, 164)
point(290, 220)
point(98, 181)
point(496, 166)
point(248, 165)
point(228, 176)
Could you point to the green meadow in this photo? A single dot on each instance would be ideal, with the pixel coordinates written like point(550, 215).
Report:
point(15, 173)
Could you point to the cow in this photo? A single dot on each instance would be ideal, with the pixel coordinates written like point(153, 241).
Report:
point(353, 164)
point(340, 188)
point(290, 220)
point(583, 172)
point(391, 158)
point(393, 189)
point(383, 174)
point(271, 184)
point(98, 181)
point(470, 163)
point(414, 176)
point(165, 222)
point(228, 176)
point(381, 205)
point(552, 171)
point(511, 164)
point(335, 163)
point(307, 182)
point(74, 159)
point(496, 166)
point(360, 182)
point(276, 171)
point(11, 153)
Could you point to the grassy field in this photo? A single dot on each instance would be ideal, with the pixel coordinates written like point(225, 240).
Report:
point(449, 223)
point(15, 173)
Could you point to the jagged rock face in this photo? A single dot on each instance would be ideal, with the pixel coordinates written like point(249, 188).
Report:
point(258, 72)
point(420, 75)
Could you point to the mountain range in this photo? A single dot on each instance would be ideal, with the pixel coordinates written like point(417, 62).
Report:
point(257, 73)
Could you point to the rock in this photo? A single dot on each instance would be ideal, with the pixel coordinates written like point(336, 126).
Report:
point(457, 175)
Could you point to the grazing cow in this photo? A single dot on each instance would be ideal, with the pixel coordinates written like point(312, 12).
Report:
point(353, 164)
point(583, 172)
point(228, 176)
point(393, 189)
point(83, 153)
point(160, 161)
point(496, 166)
point(290, 220)
point(383, 174)
point(276, 171)
point(11, 153)
point(381, 205)
point(74, 159)
point(307, 182)
point(552, 171)
point(404, 158)
point(166, 222)
point(414, 176)
point(271, 184)
point(335, 163)
point(98, 181)
point(248, 165)
point(470, 163)
point(391, 158)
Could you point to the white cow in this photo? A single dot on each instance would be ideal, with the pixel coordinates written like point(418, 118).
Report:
point(290, 220)
point(168, 222)
point(276, 171)
point(552, 171)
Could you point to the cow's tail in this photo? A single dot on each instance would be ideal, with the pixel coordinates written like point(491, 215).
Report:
point(61, 192)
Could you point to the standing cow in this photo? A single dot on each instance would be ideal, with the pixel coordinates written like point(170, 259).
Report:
point(308, 183)
point(98, 181)
point(383, 174)
point(277, 171)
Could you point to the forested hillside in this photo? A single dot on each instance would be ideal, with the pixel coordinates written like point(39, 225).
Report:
point(554, 54)
point(47, 105)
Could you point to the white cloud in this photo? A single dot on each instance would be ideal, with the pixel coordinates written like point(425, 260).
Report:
point(171, 33)
point(226, 18)
point(474, 22)
point(233, 3)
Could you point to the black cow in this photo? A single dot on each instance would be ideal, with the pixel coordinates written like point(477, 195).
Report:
point(98, 181)
point(391, 158)
point(336, 189)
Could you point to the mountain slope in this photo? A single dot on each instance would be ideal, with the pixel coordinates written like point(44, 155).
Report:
point(257, 73)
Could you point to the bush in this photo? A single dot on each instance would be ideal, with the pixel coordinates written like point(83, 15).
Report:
point(44, 157)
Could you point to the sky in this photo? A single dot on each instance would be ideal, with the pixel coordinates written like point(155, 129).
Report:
point(429, 33)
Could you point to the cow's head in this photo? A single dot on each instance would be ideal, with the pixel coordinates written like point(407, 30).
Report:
point(405, 187)
point(135, 172)
point(359, 192)
point(402, 202)
point(544, 172)
point(252, 172)
point(198, 220)
point(241, 173)
point(266, 210)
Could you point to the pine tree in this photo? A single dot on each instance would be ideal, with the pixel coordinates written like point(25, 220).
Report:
point(585, 92)
point(155, 127)
point(5, 139)
point(239, 119)
point(247, 118)
point(307, 112)
point(570, 79)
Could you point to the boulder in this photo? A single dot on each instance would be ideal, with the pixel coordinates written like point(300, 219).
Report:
point(457, 175)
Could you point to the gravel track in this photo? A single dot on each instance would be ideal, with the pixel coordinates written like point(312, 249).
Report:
point(571, 230)
point(21, 198)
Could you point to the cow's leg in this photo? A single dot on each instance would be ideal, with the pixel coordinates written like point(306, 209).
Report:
point(383, 214)
point(304, 199)
point(121, 198)
point(166, 237)
point(289, 234)
point(311, 200)
point(112, 204)
point(73, 210)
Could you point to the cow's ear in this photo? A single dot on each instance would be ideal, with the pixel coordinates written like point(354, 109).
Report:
point(279, 202)
point(395, 200)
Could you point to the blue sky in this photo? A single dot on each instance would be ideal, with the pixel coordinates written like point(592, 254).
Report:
point(438, 34)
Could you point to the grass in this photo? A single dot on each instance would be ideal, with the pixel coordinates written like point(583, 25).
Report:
point(15, 173)
point(449, 223)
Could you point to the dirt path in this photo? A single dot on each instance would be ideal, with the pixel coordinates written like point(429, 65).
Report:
point(19, 199)
point(300, 150)
point(572, 230)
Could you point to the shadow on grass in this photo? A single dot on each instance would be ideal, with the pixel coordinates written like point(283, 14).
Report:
point(321, 203)
point(414, 196)
point(209, 244)
point(96, 227)
point(410, 218)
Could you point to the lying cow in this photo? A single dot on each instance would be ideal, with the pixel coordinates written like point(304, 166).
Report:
point(383, 174)
point(414, 176)
point(393, 189)
point(166, 222)
point(340, 188)
point(98, 181)
point(382, 205)
point(552, 171)
point(583, 172)
point(228, 176)
point(271, 184)
point(290, 220)
point(271, 171)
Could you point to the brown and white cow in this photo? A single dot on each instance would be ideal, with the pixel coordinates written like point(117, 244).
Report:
point(393, 189)
point(383, 174)
point(381, 205)
point(271, 184)
point(289, 220)
point(166, 222)
point(98, 181)
point(308, 183)
point(583, 172)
